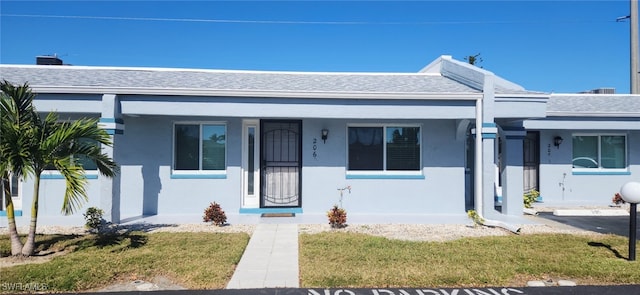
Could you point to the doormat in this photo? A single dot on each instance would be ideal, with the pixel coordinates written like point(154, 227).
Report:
point(278, 215)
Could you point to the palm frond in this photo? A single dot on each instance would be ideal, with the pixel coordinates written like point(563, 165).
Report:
point(75, 194)
point(30, 144)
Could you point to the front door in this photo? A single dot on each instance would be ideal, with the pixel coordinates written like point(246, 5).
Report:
point(531, 150)
point(281, 163)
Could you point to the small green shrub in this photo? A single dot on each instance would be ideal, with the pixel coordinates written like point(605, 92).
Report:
point(337, 217)
point(473, 215)
point(215, 214)
point(93, 219)
point(530, 198)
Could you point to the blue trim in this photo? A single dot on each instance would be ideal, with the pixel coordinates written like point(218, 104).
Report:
point(515, 137)
point(199, 176)
point(601, 173)
point(488, 135)
point(383, 176)
point(114, 131)
point(269, 210)
point(111, 120)
point(59, 176)
point(15, 212)
point(489, 125)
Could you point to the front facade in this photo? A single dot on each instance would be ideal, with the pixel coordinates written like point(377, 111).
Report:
point(259, 142)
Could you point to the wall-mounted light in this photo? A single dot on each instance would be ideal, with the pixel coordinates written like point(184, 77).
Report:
point(557, 141)
point(325, 134)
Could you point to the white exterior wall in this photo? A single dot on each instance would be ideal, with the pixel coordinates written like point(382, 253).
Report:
point(440, 192)
point(558, 184)
point(50, 202)
point(146, 155)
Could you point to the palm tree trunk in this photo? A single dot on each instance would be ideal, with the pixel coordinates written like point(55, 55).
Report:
point(30, 244)
point(16, 244)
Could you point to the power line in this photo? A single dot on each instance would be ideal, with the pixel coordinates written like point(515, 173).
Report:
point(285, 22)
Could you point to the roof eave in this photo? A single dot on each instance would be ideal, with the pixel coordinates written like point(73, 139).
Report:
point(594, 114)
point(253, 93)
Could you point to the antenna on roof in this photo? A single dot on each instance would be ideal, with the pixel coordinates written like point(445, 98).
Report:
point(619, 19)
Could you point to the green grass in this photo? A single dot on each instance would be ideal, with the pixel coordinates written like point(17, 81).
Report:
point(194, 260)
point(332, 259)
point(354, 260)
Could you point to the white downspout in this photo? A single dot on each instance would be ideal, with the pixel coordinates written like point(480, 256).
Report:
point(478, 190)
point(478, 159)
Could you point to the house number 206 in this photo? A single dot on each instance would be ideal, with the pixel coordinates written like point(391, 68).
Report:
point(315, 148)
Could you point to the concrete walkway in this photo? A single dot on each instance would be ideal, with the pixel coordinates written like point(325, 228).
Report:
point(270, 260)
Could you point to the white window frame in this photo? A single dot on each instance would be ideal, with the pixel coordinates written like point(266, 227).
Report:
point(199, 171)
point(250, 200)
point(599, 141)
point(17, 199)
point(384, 171)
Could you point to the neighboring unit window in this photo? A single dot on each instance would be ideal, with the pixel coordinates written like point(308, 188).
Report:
point(200, 147)
point(600, 151)
point(387, 148)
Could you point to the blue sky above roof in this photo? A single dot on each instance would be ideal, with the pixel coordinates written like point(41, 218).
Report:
point(551, 46)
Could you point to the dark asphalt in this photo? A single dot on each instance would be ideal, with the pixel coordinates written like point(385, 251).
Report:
point(617, 225)
point(578, 290)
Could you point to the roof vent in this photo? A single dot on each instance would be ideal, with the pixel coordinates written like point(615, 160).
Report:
point(51, 60)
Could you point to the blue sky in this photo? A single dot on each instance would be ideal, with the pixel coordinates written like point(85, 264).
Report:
point(552, 46)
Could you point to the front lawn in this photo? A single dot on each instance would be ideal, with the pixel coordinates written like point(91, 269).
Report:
point(335, 259)
point(193, 260)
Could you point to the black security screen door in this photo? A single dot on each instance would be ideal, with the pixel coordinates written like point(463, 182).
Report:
point(281, 152)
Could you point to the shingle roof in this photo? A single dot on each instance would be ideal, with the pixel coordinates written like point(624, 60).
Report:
point(73, 76)
point(594, 105)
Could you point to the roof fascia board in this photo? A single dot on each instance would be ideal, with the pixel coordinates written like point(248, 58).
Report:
point(594, 114)
point(251, 93)
point(555, 124)
point(522, 97)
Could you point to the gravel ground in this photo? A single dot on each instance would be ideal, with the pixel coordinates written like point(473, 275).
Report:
point(413, 232)
point(436, 232)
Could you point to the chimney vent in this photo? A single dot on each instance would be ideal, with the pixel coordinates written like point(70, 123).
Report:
point(51, 60)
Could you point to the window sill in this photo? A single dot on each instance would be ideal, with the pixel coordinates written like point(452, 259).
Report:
point(381, 175)
point(47, 175)
point(198, 176)
point(601, 172)
point(15, 213)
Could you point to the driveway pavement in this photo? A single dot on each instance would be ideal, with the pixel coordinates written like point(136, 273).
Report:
point(617, 225)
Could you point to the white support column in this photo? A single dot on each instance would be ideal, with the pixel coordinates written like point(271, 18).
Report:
point(512, 177)
point(112, 122)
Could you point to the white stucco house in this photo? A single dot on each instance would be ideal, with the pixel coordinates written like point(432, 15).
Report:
point(259, 142)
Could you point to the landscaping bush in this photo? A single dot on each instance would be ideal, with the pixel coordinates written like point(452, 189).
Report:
point(93, 219)
point(530, 198)
point(215, 214)
point(337, 217)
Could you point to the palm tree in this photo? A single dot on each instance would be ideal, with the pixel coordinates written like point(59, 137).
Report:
point(49, 143)
point(16, 108)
